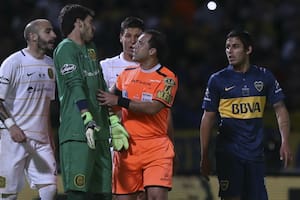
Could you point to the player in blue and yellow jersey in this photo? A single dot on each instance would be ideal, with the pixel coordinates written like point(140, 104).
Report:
point(237, 95)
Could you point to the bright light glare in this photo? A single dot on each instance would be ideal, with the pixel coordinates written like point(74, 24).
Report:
point(211, 5)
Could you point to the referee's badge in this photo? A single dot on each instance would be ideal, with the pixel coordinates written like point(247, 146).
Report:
point(2, 182)
point(259, 85)
point(165, 94)
point(79, 180)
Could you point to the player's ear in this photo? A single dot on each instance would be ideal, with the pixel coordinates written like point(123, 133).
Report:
point(249, 51)
point(79, 23)
point(152, 51)
point(121, 37)
point(33, 37)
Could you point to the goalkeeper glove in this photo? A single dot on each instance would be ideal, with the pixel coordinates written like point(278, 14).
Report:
point(119, 134)
point(90, 127)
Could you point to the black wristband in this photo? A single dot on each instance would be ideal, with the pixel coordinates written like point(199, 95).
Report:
point(123, 102)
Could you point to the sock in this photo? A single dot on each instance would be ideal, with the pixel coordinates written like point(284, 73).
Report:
point(8, 196)
point(47, 192)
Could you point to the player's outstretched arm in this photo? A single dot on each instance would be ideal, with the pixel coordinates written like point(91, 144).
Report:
point(207, 123)
point(283, 121)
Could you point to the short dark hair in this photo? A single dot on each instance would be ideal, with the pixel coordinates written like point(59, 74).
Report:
point(69, 14)
point(243, 35)
point(132, 22)
point(158, 41)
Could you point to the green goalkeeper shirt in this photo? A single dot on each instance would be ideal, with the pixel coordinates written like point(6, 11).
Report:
point(79, 77)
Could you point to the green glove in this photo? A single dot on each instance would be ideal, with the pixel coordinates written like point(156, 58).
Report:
point(118, 133)
point(90, 127)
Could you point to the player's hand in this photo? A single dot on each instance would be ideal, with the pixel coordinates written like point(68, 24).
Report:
point(17, 134)
point(90, 127)
point(205, 168)
point(285, 154)
point(118, 133)
point(106, 98)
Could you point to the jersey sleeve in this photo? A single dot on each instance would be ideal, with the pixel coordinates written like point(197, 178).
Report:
point(67, 64)
point(118, 83)
point(7, 75)
point(275, 92)
point(166, 91)
point(211, 97)
point(104, 64)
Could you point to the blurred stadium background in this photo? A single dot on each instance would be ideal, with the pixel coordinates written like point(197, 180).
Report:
point(196, 38)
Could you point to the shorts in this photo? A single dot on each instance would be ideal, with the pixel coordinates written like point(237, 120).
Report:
point(31, 159)
point(84, 169)
point(147, 162)
point(239, 177)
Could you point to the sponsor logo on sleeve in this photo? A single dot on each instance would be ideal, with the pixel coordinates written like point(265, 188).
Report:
point(277, 87)
point(67, 68)
point(207, 95)
point(4, 80)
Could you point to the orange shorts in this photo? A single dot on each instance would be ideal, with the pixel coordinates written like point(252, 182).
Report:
point(146, 163)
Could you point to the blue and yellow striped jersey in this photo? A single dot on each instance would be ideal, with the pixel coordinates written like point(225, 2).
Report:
point(240, 99)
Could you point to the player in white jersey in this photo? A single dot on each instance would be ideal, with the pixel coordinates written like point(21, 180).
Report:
point(27, 86)
point(112, 67)
point(131, 29)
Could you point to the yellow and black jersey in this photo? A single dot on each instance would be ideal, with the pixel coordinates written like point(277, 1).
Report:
point(240, 100)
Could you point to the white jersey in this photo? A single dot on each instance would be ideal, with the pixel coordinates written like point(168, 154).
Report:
point(112, 67)
point(27, 85)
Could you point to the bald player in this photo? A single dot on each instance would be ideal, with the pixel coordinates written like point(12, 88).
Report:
point(27, 86)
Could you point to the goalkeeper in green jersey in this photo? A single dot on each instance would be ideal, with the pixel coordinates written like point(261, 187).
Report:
point(84, 127)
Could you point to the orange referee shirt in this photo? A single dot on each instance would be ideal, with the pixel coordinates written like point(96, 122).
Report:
point(158, 83)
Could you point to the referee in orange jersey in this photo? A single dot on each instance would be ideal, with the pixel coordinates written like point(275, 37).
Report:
point(145, 94)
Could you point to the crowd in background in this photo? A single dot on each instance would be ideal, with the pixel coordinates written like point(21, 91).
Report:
point(195, 37)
